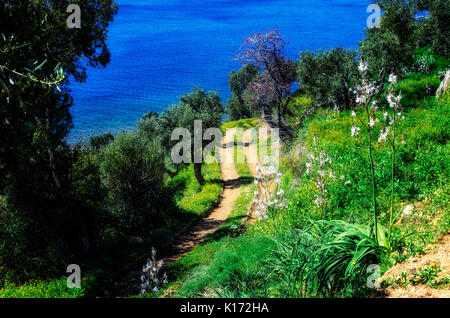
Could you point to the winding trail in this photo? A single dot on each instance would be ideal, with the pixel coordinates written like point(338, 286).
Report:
point(193, 236)
point(188, 240)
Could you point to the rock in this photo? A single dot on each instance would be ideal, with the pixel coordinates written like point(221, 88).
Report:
point(444, 85)
point(408, 211)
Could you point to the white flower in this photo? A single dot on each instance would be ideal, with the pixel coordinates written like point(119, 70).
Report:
point(392, 79)
point(363, 66)
point(272, 170)
point(353, 113)
point(360, 100)
point(308, 166)
point(383, 134)
point(371, 122)
point(374, 106)
point(355, 130)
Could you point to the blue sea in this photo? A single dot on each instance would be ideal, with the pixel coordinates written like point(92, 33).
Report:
point(162, 48)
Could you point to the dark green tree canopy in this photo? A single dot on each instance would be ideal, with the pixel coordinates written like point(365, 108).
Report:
point(38, 55)
point(197, 105)
point(238, 106)
point(406, 25)
point(327, 76)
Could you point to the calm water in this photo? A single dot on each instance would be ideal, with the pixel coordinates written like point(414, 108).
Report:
point(162, 48)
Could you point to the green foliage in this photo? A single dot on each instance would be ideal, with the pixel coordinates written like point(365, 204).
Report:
point(189, 195)
point(383, 49)
point(327, 76)
point(38, 54)
point(403, 29)
point(97, 142)
point(415, 91)
point(238, 106)
point(86, 180)
point(198, 105)
point(243, 123)
point(40, 289)
point(186, 271)
point(21, 251)
point(133, 172)
point(434, 31)
point(233, 260)
point(428, 275)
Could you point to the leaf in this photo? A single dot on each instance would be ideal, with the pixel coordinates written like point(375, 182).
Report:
point(40, 65)
point(5, 87)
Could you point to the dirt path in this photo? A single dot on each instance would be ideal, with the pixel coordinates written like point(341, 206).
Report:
point(186, 242)
point(251, 154)
point(195, 234)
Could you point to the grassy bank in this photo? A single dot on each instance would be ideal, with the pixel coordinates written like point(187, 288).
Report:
point(191, 274)
point(259, 264)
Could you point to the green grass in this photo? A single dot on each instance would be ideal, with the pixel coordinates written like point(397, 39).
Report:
point(190, 196)
point(193, 272)
point(40, 289)
point(242, 123)
point(259, 264)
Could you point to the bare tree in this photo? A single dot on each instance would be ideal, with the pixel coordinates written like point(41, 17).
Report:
point(272, 89)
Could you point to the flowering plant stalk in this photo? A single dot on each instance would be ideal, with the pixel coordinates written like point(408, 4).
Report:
point(318, 166)
point(151, 279)
point(269, 197)
point(392, 116)
point(367, 98)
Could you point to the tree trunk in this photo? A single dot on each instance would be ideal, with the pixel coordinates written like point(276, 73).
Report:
point(198, 173)
point(268, 117)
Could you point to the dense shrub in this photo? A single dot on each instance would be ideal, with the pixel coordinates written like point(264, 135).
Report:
point(327, 76)
point(24, 254)
point(96, 142)
point(238, 106)
point(132, 170)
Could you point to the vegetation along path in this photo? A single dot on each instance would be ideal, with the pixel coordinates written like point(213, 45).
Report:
point(195, 234)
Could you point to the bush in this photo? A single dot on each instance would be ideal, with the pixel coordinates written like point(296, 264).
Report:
point(237, 106)
point(96, 142)
point(327, 76)
point(24, 253)
point(132, 171)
